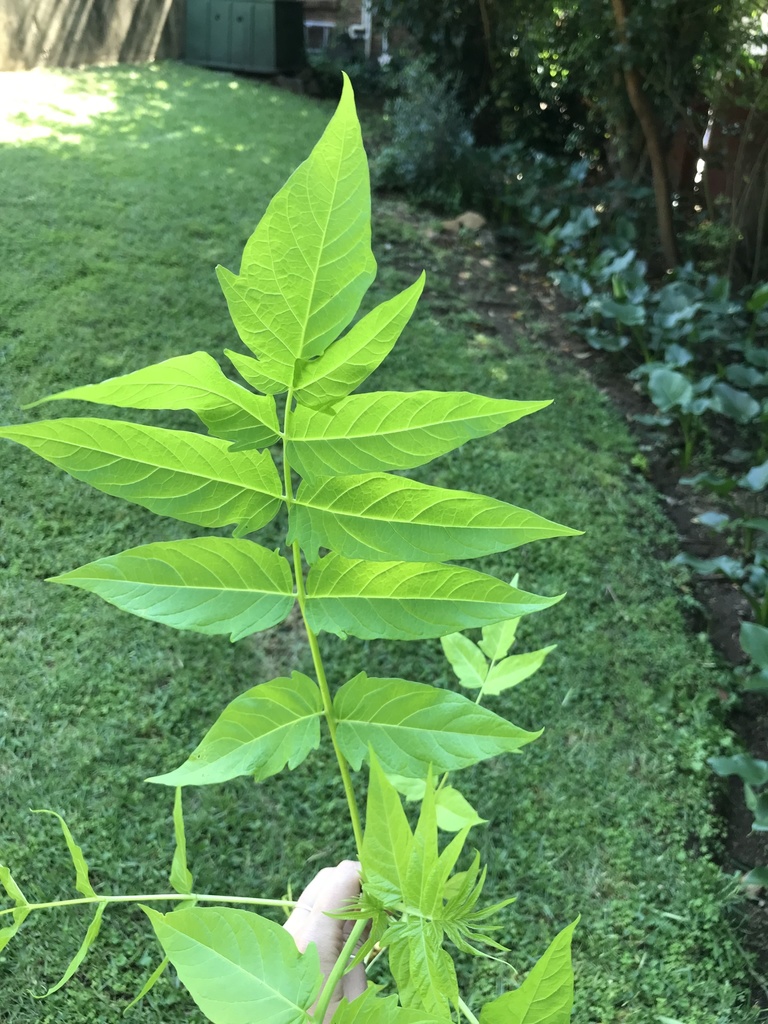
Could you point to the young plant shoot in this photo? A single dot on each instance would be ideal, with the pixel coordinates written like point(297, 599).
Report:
point(368, 553)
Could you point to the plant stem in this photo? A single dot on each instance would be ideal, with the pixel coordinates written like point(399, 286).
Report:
point(467, 1012)
point(339, 970)
point(256, 901)
point(314, 647)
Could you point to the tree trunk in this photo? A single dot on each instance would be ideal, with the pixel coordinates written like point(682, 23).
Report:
point(647, 119)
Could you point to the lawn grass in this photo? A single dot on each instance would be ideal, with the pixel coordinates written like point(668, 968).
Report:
point(113, 220)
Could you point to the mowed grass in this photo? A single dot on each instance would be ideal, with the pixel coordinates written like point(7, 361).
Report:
point(120, 192)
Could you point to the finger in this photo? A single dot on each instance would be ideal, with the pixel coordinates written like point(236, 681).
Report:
point(354, 983)
point(330, 891)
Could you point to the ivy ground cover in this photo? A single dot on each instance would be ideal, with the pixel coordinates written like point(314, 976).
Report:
point(125, 191)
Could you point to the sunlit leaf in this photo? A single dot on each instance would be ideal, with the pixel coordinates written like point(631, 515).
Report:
point(499, 637)
point(82, 881)
point(514, 670)
point(239, 967)
point(393, 430)
point(387, 840)
point(149, 984)
point(411, 726)
point(370, 1009)
point(261, 731)
point(90, 937)
point(422, 969)
point(546, 995)
point(466, 659)
point(181, 877)
point(378, 516)
point(408, 600)
point(174, 473)
point(454, 811)
point(193, 382)
point(21, 911)
point(351, 359)
point(208, 584)
point(309, 262)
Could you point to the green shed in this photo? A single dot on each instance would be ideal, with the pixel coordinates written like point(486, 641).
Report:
point(265, 36)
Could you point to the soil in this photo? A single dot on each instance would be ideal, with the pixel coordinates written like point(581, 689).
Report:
point(502, 291)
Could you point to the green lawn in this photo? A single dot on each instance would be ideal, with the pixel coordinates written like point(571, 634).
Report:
point(121, 189)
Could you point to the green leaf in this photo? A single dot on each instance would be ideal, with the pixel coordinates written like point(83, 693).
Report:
point(253, 370)
point(351, 359)
point(171, 472)
point(237, 966)
point(411, 726)
point(499, 636)
point(261, 731)
point(546, 995)
point(192, 382)
point(393, 430)
point(209, 584)
point(735, 404)
point(181, 877)
point(22, 911)
point(454, 812)
point(422, 969)
point(466, 658)
point(754, 642)
point(669, 389)
point(308, 264)
point(749, 769)
point(383, 517)
point(387, 841)
point(368, 1009)
point(82, 881)
point(757, 876)
point(149, 984)
point(514, 670)
point(90, 937)
point(408, 600)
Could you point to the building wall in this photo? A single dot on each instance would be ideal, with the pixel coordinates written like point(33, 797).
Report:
point(69, 33)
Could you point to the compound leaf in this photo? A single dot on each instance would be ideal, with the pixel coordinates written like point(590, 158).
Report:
point(207, 584)
point(546, 995)
point(408, 600)
point(181, 877)
point(193, 382)
point(393, 430)
point(381, 517)
point(466, 658)
point(513, 670)
point(261, 731)
point(411, 726)
point(347, 363)
point(90, 937)
point(308, 264)
point(237, 966)
point(82, 881)
point(171, 472)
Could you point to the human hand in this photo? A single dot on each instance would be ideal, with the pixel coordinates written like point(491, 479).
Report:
point(332, 890)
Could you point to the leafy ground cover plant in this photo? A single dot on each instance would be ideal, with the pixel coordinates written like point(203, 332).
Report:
point(372, 555)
